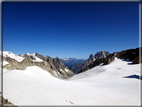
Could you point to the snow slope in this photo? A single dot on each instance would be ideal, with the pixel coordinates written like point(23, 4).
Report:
point(101, 85)
point(12, 55)
point(37, 59)
point(19, 58)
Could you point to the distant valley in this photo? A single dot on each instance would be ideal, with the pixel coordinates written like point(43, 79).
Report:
point(69, 61)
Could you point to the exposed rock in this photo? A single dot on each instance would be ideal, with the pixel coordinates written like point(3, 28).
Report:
point(29, 57)
point(109, 58)
point(21, 55)
point(53, 66)
point(101, 54)
point(136, 60)
point(39, 56)
point(131, 54)
point(91, 57)
point(77, 67)
point(4, 102)
point(8, 59)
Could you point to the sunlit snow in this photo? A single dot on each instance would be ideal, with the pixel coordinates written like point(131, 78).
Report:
point(19, 58)
point(101, 85)
point(13, 56)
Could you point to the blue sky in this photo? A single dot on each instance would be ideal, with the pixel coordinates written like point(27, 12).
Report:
point(70, 29)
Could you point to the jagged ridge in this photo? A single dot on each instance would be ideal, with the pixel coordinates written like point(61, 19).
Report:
point(131, 54)
point(77, 67)
point(53, 65)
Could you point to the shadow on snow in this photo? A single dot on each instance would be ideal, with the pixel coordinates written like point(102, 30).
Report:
point(133, 76)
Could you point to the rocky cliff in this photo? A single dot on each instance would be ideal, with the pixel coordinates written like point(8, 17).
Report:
point(101, 54)
point(77, 67)
point(53, 65)
point(130, 54)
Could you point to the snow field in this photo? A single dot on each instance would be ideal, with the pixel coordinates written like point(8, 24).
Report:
point(101, 85)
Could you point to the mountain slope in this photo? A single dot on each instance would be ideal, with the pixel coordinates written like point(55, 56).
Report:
point(54, 65)
point(101, 85)
point(77, 67)
point(130, 54)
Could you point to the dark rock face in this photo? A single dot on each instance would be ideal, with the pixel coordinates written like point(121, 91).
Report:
point(108, 59)
point(131, 54)
point(29, 57)
point(136, 60)
point(77, 67)
point(39, 56)
point(101, 54)
point(91, 57)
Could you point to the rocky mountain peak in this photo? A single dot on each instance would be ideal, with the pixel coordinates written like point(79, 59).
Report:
point(91, 57)
point(21, 55)
point(101, 54)
point(57, 60)
point(29, 56)
point(130, 54)
point(39, 55)
point(35, 53)
point(53, 65)
point(48, 59)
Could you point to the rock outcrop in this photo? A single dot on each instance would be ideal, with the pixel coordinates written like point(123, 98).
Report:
point(21, 55)
point(101, 54)
point(39, 55)
point(131, 54)
point(5, 103)
point(108, 59)
point(53, 65)
point(29, 57)
point(77, 67)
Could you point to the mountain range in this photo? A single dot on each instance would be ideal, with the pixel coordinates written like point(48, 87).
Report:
point(69, 61)
point(130, 54)
point(109, 80)
point(77, 67)
point(107, 75)
point(53, 65)
point(64, 68)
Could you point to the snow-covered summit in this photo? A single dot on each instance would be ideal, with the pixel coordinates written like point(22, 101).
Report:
point(21, 57)
point(12, 55)
point(35, 58)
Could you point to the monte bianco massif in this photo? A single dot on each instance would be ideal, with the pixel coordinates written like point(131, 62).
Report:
point(102, 79)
